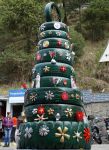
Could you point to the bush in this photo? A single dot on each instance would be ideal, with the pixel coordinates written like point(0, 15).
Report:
point(78, 42)
point(15, 66)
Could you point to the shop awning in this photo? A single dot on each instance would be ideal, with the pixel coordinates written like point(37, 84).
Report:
point(16, 96)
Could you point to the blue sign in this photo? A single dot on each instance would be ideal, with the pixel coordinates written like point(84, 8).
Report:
point(17, 93)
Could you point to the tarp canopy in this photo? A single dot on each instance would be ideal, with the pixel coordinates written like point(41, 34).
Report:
point(105, 56)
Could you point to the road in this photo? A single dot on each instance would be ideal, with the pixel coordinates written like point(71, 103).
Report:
point(94, 147)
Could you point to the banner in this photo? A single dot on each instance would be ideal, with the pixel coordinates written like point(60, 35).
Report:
point(16, 96)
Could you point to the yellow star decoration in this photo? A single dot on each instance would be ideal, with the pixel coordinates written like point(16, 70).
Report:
point(77, 135)
point(46, 69)
point(62, 134)
point(50, 111)
point(69, 112)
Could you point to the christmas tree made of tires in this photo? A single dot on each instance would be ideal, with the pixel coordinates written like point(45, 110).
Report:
point(54, 106)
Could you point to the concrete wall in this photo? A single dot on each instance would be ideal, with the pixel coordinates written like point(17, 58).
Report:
point(98, 109)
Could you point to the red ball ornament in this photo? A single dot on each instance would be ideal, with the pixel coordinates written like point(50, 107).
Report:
point(59, 43)
point(65, 96)
point(79, 116)
point(38, 57)
point(63, 69)
point(41, 110)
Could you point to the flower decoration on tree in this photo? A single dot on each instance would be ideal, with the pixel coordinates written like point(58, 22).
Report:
point(87, 134)
point(42, 34)
point(77, 135)
point(69, 112)
point(63, 69)
point(52, 54)
point(46, 69)
point(40, 110)
point(28, 132)
point(44, 130)
point(42, 27)
point(62, 134)
point(40, 118)
point(33, 96)
point(49, 95)
point(77, 96)
point(50, 111)
point(34, 111)
point(59, 42)
point(58, 33)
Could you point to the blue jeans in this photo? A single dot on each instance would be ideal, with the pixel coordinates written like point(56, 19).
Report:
point(7, 137)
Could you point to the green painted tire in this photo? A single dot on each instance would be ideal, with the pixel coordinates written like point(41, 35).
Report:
point(54, 25)
point(53, 81)
point(54, 34)
point(54, 43)
point(49, 69)
point(53, 112)
point(47, 135)
point(60, 55)
point(48, 12)
point(57, 96)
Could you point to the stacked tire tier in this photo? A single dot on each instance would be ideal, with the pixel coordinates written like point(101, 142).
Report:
point(54, 106)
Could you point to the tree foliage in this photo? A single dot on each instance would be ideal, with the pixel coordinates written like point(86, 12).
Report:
point(95, 18)
point(78, 43)
point(19, 24)
point(21, 17)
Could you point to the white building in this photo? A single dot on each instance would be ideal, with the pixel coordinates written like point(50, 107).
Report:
point(12, 103)
point(105, 56)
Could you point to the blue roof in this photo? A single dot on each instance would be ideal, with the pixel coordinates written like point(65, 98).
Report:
point(90, 97)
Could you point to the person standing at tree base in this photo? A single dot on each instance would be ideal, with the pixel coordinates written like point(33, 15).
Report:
point(7, 124)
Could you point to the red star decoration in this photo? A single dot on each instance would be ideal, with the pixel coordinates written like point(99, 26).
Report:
point(59, 43)
point(41, 110)
point(79, 115)
point(38, 57)
point(65, 82)
point(52, 54)
point(63, 69)
point(65, 96)
point(87, 134)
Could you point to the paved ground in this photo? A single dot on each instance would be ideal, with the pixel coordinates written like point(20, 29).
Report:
point(94, 147)
point(100, 147)
point(104, 146)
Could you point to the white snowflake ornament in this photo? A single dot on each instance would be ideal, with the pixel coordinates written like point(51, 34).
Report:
point(77, 135)
point(44, 130)
point(49, 95)
point(28, 132)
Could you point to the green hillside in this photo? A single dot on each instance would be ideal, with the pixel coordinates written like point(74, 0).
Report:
point(89, 30)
